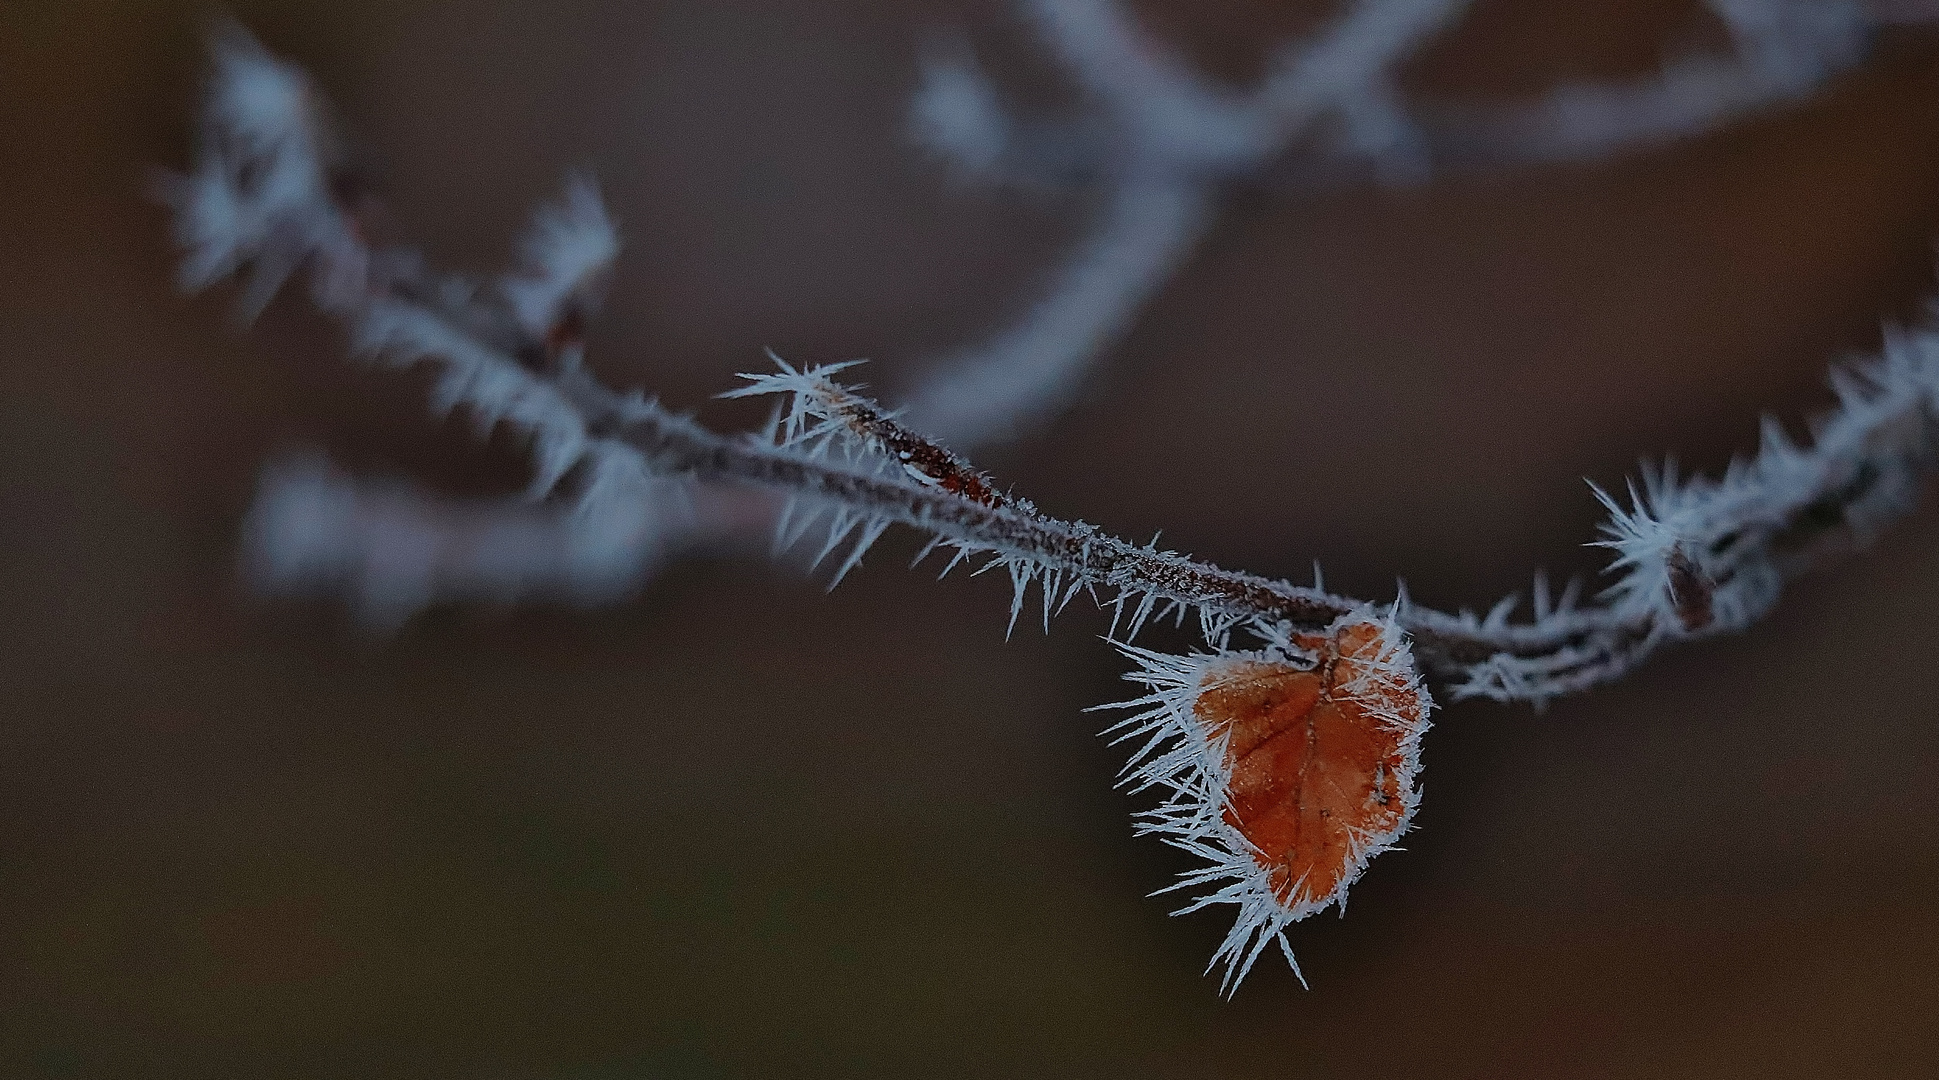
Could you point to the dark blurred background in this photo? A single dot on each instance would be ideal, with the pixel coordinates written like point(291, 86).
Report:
point(743, 828)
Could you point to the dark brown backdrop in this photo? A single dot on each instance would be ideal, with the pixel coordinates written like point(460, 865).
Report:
point(740, 828)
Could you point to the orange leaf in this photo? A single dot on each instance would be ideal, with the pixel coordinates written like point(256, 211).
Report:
point(1320, 761)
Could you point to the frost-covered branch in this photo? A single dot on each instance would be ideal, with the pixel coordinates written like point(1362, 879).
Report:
point(266, 198)
point(1783, 50)
point(1286, 767)
point(1695, 557)
point(395, 549)
point(1161, 140)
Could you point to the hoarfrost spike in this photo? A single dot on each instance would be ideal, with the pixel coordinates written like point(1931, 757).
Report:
point(871, 532)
